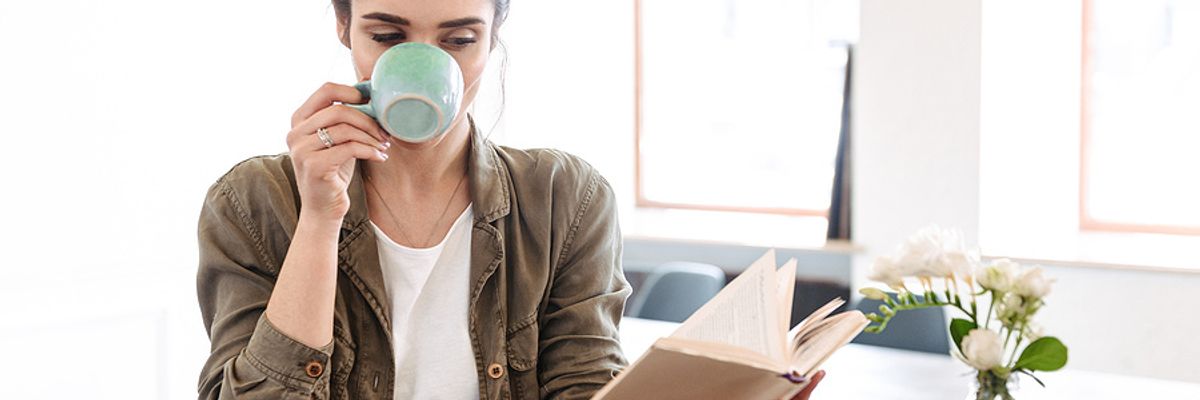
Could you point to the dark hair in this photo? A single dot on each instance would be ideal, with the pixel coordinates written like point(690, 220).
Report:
point(341, 9)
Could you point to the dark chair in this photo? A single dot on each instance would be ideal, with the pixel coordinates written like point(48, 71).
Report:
point(675, 290)
point(920, 330)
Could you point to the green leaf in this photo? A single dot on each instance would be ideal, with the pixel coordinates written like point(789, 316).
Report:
point(959, 328)
point(1045, 354)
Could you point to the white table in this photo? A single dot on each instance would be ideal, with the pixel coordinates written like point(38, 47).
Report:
point(870, 372)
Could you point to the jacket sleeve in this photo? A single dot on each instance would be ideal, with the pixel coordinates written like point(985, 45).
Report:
point(249, 358)
point(580, 348)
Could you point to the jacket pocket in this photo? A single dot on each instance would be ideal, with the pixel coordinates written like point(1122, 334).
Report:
point(522, 351)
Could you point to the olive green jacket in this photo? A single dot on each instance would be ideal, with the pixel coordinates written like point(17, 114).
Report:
point(546, 285)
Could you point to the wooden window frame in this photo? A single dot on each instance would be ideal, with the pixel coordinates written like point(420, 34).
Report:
point(1086, 221)
point(641, 200)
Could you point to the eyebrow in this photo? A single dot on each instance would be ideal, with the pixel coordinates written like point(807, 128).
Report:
point(385, 17)
point(455, 23)
point(398, 20)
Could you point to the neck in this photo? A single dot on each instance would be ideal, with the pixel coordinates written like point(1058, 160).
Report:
point(434, 163)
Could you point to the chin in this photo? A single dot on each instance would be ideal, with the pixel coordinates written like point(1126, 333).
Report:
point(432, 142)
point(407, 145)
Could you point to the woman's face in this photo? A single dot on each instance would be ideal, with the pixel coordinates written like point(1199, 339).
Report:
point(460, 27)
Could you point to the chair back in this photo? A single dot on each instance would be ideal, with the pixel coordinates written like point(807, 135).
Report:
point(674, 290)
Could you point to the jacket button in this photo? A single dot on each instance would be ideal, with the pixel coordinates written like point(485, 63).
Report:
point(314, 369)
point(495, 371)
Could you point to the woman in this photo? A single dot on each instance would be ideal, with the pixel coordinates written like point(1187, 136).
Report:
point(359, 266)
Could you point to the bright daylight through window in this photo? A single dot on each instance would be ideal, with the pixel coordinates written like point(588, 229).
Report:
point(740, 103)
point(1141, 134)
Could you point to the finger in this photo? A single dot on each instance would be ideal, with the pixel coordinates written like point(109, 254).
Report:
point(812, 384)
point(338, 155)
point(338, 134)
point(338, 114)
point(324, 97)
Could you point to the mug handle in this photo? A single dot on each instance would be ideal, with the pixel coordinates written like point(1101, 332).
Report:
point(364, 88)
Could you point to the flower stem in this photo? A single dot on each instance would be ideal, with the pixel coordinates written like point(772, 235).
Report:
point(1007, 336)
point(906, 301)
point(1012, 359)
point(991, 304)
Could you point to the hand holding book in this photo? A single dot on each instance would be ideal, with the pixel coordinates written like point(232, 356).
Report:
point(812, 384)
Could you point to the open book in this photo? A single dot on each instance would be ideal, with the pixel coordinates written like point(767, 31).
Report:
point(737, 346)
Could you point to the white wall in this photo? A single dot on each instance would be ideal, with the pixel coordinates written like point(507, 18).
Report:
point(1126, 321)
point(117, 115)
point(967, 116)
point(916, 121)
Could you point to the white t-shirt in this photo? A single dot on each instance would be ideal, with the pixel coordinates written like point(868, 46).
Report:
point(428, 290)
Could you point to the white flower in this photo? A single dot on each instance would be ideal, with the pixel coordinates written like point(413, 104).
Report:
point(923, 255)
point(999, 275)
point(1032, 284)
point(961, 263)
point(1034, 331)
point(887, 272)
point(982, 349)
point(1009, 309)
point(933, 252)
point(873, 293)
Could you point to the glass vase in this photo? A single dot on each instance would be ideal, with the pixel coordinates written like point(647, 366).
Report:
point(990, 386)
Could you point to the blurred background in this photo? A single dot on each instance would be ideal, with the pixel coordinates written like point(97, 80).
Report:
point(1061, 133)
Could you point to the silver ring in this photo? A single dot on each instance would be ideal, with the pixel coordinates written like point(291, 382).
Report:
point(323, 134)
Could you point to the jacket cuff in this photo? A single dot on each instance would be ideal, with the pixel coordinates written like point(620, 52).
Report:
point(291, 363)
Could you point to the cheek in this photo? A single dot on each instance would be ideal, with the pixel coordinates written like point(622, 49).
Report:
point(472, 65)
point(364, 58)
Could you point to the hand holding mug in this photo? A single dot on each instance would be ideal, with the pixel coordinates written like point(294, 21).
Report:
point(325, 139)
point(414, 94)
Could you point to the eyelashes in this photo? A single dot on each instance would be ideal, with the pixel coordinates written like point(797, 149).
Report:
point(387, 37)
point(452, 42)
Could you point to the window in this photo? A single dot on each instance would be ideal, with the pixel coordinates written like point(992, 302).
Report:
point(1141, 93)
point(739, 103)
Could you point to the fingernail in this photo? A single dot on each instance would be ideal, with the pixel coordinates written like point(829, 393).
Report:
point(387, 145)
point(383, 155)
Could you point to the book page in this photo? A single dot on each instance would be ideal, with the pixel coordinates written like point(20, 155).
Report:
point(819, 343)
point(809, 322)
point(745, 313)
point(723, 352)
point(786, 289)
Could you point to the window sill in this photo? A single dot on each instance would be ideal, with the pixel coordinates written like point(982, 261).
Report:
point(841, 247)
point(1108, 250)
point(802, 233)
point(733, 241)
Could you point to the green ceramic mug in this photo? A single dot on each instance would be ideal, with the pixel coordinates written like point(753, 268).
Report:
point(415, 91)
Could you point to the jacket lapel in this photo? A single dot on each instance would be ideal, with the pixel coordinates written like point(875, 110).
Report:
point(358, 253)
